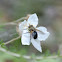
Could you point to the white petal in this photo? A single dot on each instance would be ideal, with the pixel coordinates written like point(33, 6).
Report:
point(42, 36)
point(32, 20)
point(25, 30)
point(21, 26)
point(36, 44)
point(25, 38)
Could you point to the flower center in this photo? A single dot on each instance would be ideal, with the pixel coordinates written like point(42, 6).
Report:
point(31, 28)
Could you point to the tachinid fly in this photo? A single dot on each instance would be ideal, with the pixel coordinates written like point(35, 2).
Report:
point(33, 31)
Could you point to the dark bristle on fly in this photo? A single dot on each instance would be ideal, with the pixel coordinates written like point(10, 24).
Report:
point(34, 34)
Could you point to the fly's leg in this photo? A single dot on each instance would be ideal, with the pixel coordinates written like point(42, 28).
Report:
point(40, 31)
point(25, 29)
point(26, 32)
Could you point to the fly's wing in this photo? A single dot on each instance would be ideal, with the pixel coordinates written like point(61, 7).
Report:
point(42, 33)
point(34, 34)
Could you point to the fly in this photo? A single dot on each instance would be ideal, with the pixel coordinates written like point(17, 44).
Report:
point(33, 31)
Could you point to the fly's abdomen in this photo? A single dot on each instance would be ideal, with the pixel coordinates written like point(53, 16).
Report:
point(34, 34)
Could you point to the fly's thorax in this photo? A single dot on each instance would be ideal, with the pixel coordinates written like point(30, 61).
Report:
point(31, 28)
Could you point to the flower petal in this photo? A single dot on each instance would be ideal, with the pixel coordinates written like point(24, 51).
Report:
point(42, 33)
point(21, 26)
point(32, 20)
point(36, 44)
point(25, 38)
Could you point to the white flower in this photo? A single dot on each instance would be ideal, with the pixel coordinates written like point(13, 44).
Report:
point(28, 35)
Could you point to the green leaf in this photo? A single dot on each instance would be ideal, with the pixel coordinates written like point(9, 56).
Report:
point(48, 60)
point(58, 53)
point(47, 53)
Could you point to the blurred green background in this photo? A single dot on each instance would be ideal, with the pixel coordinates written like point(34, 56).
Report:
point(50, 15)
